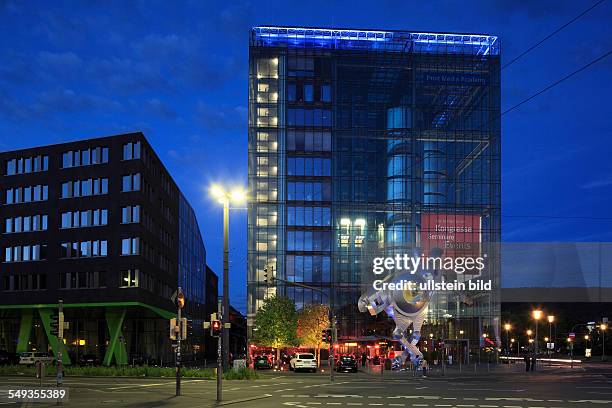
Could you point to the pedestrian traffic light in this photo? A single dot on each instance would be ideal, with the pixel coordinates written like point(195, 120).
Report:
point(54, 325)
point(215, 328)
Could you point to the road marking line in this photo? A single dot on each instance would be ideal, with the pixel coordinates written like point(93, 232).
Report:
point(333, 403)
point(397, 405)
point(488, 406)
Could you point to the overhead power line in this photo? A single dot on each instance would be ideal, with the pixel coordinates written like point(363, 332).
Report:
point(568, 76)
point(551, 35)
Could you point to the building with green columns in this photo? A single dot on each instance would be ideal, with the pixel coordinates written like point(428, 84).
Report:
point(101, 225)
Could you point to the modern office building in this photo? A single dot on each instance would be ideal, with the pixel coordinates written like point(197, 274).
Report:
point(101, 225)
point(367, 141)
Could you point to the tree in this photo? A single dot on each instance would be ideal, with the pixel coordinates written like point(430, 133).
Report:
point(276, 324)
point(312, 320)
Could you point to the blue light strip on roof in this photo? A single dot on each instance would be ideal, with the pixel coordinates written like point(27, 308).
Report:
point(389, 40)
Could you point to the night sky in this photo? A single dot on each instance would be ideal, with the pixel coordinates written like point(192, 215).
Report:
point(178, 72)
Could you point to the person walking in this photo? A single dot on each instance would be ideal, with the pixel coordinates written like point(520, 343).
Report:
point(424, 367)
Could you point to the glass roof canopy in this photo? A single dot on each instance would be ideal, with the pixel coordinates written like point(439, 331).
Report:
point(398, 41)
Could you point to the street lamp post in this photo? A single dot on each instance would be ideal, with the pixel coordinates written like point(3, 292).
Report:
point(551, 319)
point(603, 328)
point(507, 327)
point(225, 197)
point(537, 315)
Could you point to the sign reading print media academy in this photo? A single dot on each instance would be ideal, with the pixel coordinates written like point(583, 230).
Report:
point(457, 235)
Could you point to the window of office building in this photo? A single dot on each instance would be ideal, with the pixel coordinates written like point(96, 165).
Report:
point(84, 188)
point(131, 151)
point(24, 165)
point(25, 253)
point(308, 166)
point(308, 191)
point(85, 157)
point(131, 182)
point(130, 214)
point(130, 246)
point(26, 223)
point(28, 194)
point(85, 218)
point(84, 249)
point(24, 282)
point(308, 117)
point(129, 278)
point(308, 141)
point(82, 280)
point(308, 216)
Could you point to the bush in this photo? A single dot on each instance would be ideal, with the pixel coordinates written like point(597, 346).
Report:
point(144, 371)
point(241, 374)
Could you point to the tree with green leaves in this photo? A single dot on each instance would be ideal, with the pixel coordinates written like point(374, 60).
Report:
point(276, 324)
point(312, 320)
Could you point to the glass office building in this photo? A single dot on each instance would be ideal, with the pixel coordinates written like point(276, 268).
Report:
point(363, 141)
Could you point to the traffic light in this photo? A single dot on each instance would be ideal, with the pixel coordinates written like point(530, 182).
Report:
point(180, 299)
point(183, 328)
point(265, 274)
point(215, 328)
point(326, 335)
point(173, 330)
point(54, 325)
point(60, 325)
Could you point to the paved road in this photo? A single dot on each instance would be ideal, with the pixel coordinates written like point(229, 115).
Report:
point(507, 387)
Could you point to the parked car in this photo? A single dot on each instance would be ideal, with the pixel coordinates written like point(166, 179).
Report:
point(89, 360)
point(262, 363)
point(31, 357)
point(138, 359)
point(347, 364)
point(7, 358)
point(303, 361)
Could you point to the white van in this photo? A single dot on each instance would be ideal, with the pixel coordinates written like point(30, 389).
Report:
point(31, 357)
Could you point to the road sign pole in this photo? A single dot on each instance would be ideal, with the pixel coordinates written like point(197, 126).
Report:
point(60, 372)
point(332, 354)
point(219, 358)
point(178, 353)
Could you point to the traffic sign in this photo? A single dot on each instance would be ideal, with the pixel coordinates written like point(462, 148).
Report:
point(572, 336)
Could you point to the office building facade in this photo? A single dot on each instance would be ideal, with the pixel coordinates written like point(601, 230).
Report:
point(101, 225)
point(364, 142)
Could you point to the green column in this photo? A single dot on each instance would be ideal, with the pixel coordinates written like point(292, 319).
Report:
point(25, 330)
point(45, 317)
point(116, 347)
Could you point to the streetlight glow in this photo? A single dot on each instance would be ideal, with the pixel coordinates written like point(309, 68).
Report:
point(507, 327)
point(551, 319)
point(537, 314)
point(529, 332)
point(603, 326)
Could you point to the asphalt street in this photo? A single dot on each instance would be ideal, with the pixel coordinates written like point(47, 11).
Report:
point(504, 387)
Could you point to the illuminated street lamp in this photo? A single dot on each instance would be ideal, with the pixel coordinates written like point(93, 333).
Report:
point(537, 315)
point(223, 196)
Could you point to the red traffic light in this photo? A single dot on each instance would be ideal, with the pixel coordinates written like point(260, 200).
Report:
point(216, 328)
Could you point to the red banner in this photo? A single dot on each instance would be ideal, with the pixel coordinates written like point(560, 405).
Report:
point(457, 235)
